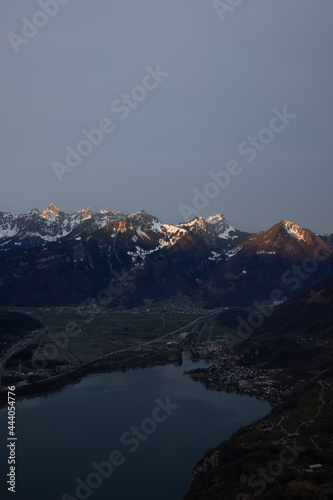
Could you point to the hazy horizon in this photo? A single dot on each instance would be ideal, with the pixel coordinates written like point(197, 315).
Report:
point(222, 78)
point(247, 229)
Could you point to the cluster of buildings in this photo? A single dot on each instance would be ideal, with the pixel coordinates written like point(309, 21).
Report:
point(228, 374)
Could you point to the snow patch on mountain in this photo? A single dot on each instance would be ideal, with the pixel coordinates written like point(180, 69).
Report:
point(216, 256)
point(36, 227)
point(86, 213)
point(231, 253)
point(8, 232)
point(266, 253)
point(214, 225)
point(226, 233)
point(51, 225)
point(294, 230)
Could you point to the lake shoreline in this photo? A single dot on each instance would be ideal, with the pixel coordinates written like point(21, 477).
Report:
point(59, 382)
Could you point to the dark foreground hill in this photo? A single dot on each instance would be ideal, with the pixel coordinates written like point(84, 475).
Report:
point(17, 324)
point(293, 335)
point(288, 454)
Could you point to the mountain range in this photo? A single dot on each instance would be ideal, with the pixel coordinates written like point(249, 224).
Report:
point(51, 258)
point(36, 228)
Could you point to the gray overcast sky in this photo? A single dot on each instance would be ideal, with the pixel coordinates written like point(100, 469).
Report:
point(225, 78)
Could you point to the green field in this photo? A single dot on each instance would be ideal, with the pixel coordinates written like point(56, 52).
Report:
point(73, 339)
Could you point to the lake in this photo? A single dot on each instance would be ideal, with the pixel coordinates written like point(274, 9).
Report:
point(121, 436)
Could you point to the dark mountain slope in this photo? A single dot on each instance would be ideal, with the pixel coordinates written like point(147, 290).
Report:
point(17, 324)
point(286, 257)
point(205, 258)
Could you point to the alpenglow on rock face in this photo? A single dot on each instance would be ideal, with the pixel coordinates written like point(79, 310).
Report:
point(36, 228)
point(54, 258)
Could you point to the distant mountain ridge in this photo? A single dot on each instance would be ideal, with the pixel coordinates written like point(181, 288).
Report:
point(270, 260)
point(35, 228)
point(52, 258)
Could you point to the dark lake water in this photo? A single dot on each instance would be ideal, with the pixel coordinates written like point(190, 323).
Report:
point(154, 424)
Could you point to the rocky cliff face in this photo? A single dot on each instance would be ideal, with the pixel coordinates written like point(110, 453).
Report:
point(52, 258)
point(36, 228)
point(208, 463)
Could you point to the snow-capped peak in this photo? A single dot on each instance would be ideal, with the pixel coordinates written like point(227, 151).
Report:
point(217, 218)
point(35, 228)
point(86, 213)
point(110, 212)
point(293, 230)
point(221, 226)
point(215, 226)
point(196, 223)
point(34, 211)
point(51, 211)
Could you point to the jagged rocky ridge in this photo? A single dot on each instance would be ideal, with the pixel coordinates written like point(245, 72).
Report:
point(35, 228)
point(52, 258)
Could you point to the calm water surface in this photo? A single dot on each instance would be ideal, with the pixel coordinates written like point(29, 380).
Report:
point(62, 434)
